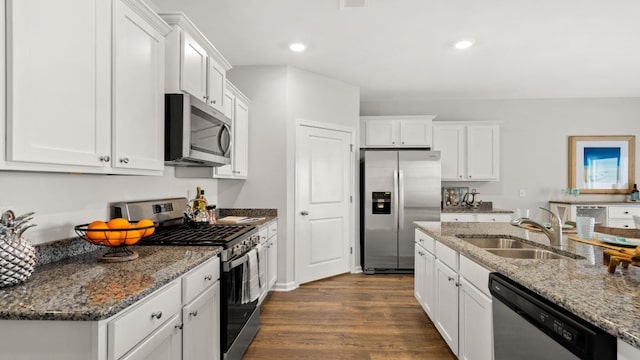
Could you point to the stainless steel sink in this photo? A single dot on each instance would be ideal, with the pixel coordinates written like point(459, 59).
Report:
point(496, 243)
point(527, 254)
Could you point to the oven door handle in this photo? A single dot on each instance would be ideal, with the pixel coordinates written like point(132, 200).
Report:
point(226, 266)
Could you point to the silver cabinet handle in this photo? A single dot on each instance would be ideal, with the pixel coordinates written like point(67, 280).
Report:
point(213, 101)
point(208, 277)
point(205, 97)
point(105, 158)
point(124, 160)
point(458, 285)
point(450, 278)
point(304, 213)
point(194, 313)
point(179, 326)
point(156, 315)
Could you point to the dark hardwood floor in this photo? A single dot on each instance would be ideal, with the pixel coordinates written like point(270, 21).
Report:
point(351, 316)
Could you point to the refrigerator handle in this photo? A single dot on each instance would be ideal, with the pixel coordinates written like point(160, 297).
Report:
point(395, 202)
point(401, 199)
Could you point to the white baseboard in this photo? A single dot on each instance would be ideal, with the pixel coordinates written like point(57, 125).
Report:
point(284, 287)
point(357, 270)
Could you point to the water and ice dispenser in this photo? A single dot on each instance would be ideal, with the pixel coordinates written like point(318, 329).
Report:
point(381, 202)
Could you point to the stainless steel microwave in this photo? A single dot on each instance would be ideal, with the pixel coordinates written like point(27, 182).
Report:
point(195, 134)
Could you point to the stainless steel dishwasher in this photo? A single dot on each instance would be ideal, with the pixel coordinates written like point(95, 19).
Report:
point(527, 326)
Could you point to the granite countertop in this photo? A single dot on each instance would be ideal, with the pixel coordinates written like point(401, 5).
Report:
point(81, 288)
point(474, 211)
point(583, 202)
point(583, 287)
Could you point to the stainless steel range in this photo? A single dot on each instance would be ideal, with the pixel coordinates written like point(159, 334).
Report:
point(239, 315)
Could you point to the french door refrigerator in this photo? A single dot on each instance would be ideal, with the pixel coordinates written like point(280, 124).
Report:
point(398, 187)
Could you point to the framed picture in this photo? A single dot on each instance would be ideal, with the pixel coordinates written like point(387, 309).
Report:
point(452, 196)
point(602, 164)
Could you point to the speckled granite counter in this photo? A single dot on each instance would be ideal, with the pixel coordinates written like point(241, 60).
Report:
point(475, 211)
point(81, 288)
point(610, 301)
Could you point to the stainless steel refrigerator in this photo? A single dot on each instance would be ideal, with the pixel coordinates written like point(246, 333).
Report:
point(398, 187)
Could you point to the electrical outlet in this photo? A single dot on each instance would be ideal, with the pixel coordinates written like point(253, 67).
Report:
point(523, 193)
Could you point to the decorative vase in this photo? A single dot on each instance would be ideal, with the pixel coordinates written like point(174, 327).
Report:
point(17, 254)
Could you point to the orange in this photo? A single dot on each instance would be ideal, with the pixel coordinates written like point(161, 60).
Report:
point(145, 223)
point(131, 237)
point(118, 224)
point(113, 238)
point(97, 236)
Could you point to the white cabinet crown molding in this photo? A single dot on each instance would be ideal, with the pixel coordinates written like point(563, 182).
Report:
point(180, 19)
point(150, 16)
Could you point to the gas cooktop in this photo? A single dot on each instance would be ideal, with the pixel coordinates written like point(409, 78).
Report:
point(188, 234)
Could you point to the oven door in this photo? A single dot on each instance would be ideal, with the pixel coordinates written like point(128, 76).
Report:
point(239, 319)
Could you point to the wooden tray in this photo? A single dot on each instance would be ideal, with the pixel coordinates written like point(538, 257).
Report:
point(595, 242)
point(533, 228)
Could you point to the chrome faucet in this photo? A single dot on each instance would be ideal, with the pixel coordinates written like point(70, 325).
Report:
point(555, 236)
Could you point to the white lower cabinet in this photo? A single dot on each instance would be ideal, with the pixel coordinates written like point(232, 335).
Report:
point(201, 329)
point(181, 320)
point(272, 264)
point(446, 311)
point(627, 352)
point(268, 258)
point(453, 290)
point(476, 324)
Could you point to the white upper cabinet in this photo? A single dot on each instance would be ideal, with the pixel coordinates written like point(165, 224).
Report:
point(58, 83)
point(469, 151)
point(396, 131)
point(194, 65)
point(138, 90)
point(86, 94)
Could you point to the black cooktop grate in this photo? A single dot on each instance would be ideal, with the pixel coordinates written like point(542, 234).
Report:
point(197, 235)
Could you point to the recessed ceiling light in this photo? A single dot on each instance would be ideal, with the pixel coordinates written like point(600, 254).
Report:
point(297, 47)
point(463, 44)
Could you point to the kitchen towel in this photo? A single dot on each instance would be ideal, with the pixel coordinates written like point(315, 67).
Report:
point(262, 267)
point(251, 285)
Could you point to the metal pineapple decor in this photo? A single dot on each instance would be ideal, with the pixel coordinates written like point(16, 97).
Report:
point(17, 254)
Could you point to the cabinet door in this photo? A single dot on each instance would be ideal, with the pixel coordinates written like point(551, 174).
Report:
point(201, 330)
point(458, 217)
point(241, 140)
point(476, 324)
point(381, 133)
point(482, 152)
point(446, 310)
point(164, 344)
point(449, 140)
point(193, 68)
point(419, 274)
point(493, 217)
point(429, 289)
point(138, 78)
point(215, 85)
point(272, 264)
point(415, 132)
point(263, 264)
point(58, 82)
point(226, 171)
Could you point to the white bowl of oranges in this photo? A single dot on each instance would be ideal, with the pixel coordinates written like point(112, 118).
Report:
point(115, 232)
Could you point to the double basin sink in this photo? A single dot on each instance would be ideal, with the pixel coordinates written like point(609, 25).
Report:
point(514, 247)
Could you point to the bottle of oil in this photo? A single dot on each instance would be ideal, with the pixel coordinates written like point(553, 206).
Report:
point(635, 195)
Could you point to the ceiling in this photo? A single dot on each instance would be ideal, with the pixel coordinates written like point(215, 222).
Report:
point(399, 49)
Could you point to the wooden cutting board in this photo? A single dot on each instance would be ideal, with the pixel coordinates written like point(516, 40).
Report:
point(595, 242)
point(231, 219)
point(533, 228)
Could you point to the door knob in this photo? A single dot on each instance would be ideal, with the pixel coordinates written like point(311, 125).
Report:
point(304, 213)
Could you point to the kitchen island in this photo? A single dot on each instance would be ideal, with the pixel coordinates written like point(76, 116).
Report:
point(581, 286)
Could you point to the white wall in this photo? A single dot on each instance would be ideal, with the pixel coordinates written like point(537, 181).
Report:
point(62, 200)
point(280, 95)
point(534, 139)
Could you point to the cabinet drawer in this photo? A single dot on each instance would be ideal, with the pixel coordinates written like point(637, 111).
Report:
point(494, 217)
point(425, 241)
point(458, 217)
point(623, 212)
point(622, 224)
point(475, 274)
point(447, 255)
point(142, 319)
point(264, 234)
point(273, 229)
point(200, 278)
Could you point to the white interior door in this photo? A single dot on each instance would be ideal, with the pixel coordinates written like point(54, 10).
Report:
point(323, 208)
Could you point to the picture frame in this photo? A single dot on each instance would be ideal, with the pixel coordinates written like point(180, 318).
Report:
point(452, 196)
point(602, 164)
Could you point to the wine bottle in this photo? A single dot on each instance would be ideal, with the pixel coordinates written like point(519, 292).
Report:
point(635, 195)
